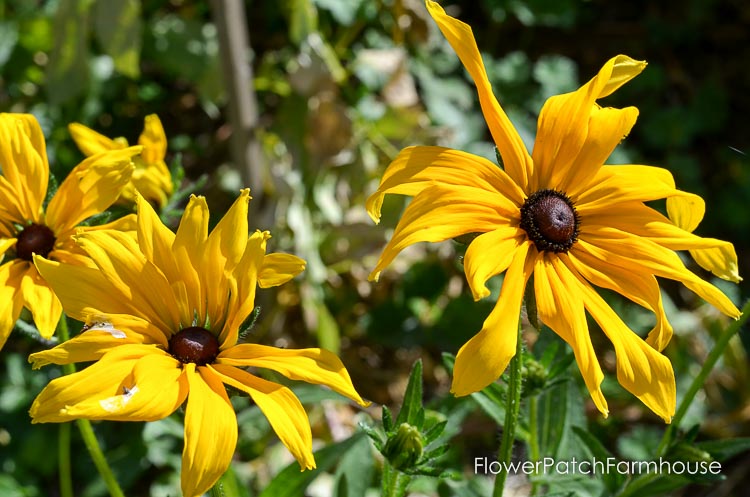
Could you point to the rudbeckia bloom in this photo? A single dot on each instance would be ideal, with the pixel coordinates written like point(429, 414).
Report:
point(562, 216)
point(163, 316)
point(27, 229)
point(151, 177)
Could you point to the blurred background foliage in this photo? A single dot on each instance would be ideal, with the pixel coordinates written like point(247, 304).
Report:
point(341, 87)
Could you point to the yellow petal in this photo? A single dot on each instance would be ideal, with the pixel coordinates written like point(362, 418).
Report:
point(716, 256)
point(569, 124)
point(224, 249)
point(516, 160)
point(98, 338)
point(634, 253)
point(83, 291)
point(282, 408)
point(563, 311)
point(41, 301)
point(90, 188)
point(153, 390)
point(243, 285)
point(607, 127)
point(490, 254)
point(188, 249)
point(11, 301)
point(442, 212)
point(210, 431)
point(315, 366)
point(99, 381)
point(279, 268)
point(90, 142)
point(119, 259)
point(687, 212)
point(23, 159)
point(626, 183)
point(417, 168)
point(485, 356)
point(642, 370)
point(153, 139)
point(640, 287)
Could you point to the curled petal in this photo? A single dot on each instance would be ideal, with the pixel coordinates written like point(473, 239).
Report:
point(417, 168)
point(282, 408)
point(315, 366)
point(279, 268)
point(483, 359)
point(490, 254)
point(516, 159)
point(563, 311)
point(441, 212)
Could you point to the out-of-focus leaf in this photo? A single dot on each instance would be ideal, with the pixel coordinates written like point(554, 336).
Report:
point(724, 449)
point(118, 28)
point(291, 482)
point(356, 471)
point(8, 39)
point(343, 12)
point(67, 71)
point(303, 19)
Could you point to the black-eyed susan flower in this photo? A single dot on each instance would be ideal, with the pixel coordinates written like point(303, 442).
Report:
point(151, 176)
point(566, 218)
point(26, 228)
point(163, 316)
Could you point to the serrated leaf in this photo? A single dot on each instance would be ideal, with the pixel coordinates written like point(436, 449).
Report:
point(118, 28)
point(412, 404)
point(387, 419)
point(291, 482)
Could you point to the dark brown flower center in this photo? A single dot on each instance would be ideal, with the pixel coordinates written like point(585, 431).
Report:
point(34, 239)
point(550, 220)
point(194, 344)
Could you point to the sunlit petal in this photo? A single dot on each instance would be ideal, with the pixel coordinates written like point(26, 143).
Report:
point(282, 408)
point(490, 254)
point(315, 366)
point(441, 212)
point(563, 311)
point(516, 160)
point(417, 168)
point(278, 268)
point(90, 142)
point(210, 431)
point(41, 301)
point(483, 359)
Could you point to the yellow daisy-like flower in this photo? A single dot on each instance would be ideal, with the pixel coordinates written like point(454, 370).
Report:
point(566, 218)
point(151, 177)
point(163, 316)
point(25, 227)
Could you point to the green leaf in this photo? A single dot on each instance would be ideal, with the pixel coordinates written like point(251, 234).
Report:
point(67, 70)
point(412, 404)
point(613, 480)
point(229, 485)
point(8, 39)
point(291, 482)
point(303, 19)
point(722, 450)
point(387, 419)
point(118, 28)
point(356, 471)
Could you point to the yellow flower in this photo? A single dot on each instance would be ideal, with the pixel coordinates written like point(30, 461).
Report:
point(163, 316)
point(25, 227)
point(151, 177)
point(566, 218)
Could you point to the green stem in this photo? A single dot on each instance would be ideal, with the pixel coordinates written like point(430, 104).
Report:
point(63, 458)
point(511, 416)
point(87, 432)
point(700, 379)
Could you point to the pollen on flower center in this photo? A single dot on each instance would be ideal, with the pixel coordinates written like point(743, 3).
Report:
point(194, 344)
point(550, 220)
point(34, 239)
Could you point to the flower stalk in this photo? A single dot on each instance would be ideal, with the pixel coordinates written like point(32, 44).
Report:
point(512, 410)
point(88, 436)
point(708, 365)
